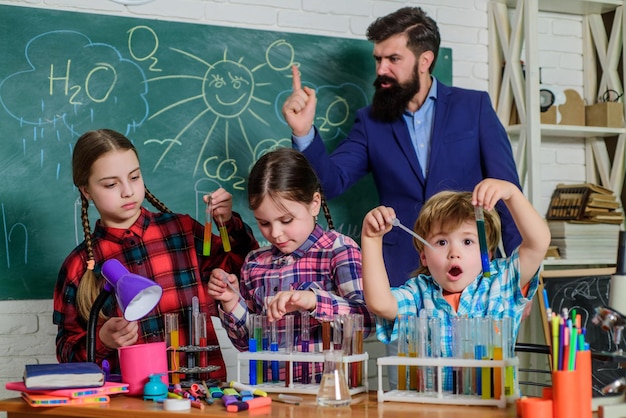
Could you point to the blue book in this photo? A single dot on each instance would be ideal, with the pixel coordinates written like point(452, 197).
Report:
point(63, 375)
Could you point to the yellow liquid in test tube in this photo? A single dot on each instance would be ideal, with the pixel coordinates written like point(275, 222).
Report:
point(174, 338)
point(225, 238)
point(497, 374)
point(401, 374)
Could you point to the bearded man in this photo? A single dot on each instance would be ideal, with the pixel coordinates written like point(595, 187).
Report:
point(418, 136)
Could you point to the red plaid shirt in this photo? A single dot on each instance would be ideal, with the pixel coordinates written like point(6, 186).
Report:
point(166, 248)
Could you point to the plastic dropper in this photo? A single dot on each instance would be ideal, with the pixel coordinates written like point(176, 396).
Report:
point(397, 223)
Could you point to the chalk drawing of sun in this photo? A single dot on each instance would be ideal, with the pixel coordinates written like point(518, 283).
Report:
point(228, 96)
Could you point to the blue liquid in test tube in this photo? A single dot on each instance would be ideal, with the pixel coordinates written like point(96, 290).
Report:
point(252, 348)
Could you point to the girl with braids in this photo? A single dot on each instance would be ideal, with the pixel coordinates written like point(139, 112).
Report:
point(165, 247)
point(304, 269)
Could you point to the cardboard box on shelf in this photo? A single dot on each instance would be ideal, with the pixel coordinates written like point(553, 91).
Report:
point(605, 114)
point(573, 110)
point(570, 111)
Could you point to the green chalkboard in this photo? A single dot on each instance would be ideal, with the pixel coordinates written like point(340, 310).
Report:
point(201, 104)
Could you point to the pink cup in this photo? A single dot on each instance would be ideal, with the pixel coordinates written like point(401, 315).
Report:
point(139, 361)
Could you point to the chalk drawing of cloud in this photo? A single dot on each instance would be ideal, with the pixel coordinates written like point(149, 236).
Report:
point(77, 84)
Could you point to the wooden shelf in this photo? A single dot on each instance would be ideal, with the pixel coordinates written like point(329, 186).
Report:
point(577, 7)
point(571, 131)
point(513, 38)
point(581, 262)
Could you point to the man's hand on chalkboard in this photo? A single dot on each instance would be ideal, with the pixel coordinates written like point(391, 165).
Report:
point(299, 108)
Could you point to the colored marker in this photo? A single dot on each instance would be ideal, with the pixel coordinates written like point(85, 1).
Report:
point(251, 404)
point(555, 342)
point(482, 240)
point(241, 387)
point(208, 226)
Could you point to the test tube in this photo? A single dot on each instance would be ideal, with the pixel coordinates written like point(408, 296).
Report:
point(357, 348)
point(288, 348)
point(479, 351)
point(274, 347)
point(337, 332)
point(191, 357)
point(201, 341)
point(485, 379)
point(434, 329)
point(468, 353)
point(508, 348)
point(482, 240)
point(172, 342)
point(259, 321)
point(347, 331)
point(305, 339)
point(252, 348)
point(266, 347)
point(457, 352)
point(412, 348)
point(326, 332)
point(208, 226)
point(422, 349)
point(224, 234)
point(402, 350)
point(496, 335)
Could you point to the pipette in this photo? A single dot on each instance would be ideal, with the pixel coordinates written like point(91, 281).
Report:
point(397, 223)
point(482, 240)
point(231, 287)
point(206, 245)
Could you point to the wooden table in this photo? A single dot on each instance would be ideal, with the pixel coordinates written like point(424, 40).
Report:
point(364, 406)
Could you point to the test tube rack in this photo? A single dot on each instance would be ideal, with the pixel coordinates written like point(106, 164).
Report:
point(439, 396)
point(299, 357)
point(194, 349)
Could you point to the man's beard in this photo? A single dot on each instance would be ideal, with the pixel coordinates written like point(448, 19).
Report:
point(389, 103)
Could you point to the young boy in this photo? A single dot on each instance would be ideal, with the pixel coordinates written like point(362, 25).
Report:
point(450, 281)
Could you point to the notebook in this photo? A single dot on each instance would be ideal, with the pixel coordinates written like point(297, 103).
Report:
point(48, 400)
point(109, 388)
point(63, 375)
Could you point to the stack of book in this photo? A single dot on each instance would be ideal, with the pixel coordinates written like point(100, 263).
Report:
point(585, 202)
point(585, 240)
point(65, 384)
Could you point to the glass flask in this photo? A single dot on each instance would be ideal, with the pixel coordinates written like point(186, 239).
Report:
point(333, 389)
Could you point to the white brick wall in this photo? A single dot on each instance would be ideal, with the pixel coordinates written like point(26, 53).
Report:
point(26, 331)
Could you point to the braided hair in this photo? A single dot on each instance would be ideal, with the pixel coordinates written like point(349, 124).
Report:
point(88, 149)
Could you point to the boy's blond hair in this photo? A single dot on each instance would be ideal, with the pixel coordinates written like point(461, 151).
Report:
point(449, 210)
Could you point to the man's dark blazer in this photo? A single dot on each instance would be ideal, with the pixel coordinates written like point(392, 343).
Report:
point(468, 144)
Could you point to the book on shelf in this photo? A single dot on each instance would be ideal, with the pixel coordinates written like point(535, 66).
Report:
point(593, 188)
point(585, 229)
point(585, 240)
point(608, 218)
point(63, 375)
point(589, 202)
point(599, 203)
